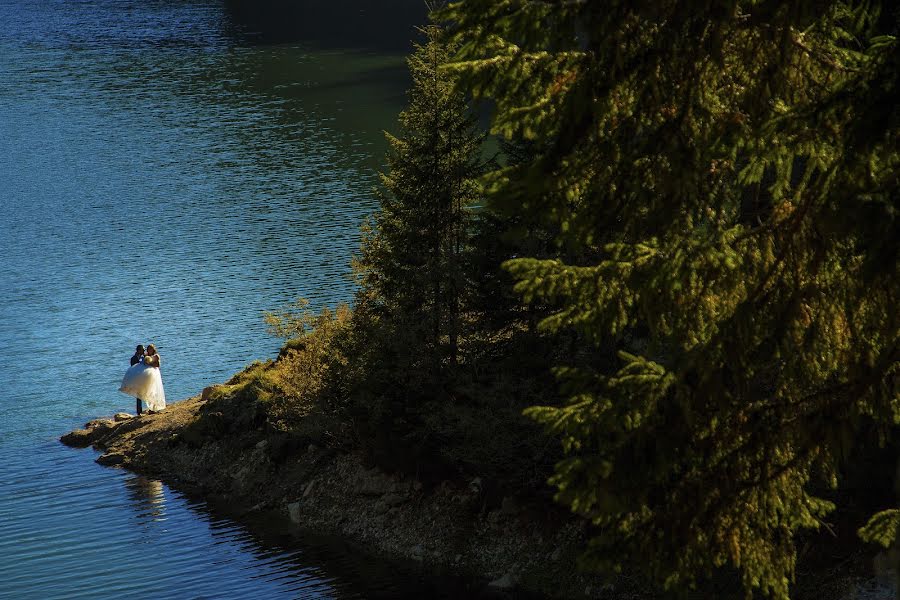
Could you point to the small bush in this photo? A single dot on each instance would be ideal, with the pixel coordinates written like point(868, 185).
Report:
point(299, 379)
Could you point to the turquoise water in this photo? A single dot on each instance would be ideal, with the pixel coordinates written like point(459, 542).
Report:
point(168, 170)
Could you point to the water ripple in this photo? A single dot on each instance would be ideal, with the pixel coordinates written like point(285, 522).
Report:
point(161, 181)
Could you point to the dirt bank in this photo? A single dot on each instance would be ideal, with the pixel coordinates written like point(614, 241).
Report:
point(449, 527)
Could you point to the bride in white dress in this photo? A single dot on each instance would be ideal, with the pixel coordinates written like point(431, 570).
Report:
point(144, 381)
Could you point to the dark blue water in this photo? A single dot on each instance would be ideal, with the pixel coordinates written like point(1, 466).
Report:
point(167, 172)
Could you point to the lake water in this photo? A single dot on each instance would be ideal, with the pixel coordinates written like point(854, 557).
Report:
point(168, 170)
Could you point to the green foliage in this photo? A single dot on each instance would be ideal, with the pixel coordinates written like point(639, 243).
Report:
point(302, 383)
point(308, 363)
point(499, 233)
point(408, 315)
point(409, 266)
point(294, 321)
point(723, 178)
point(250, 384)
point(882, 528)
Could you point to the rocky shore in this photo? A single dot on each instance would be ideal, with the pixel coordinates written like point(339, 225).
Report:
point(449, 528)
point(217, 445)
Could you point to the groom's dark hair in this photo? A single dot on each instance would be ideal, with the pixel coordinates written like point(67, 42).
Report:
point(140, 348)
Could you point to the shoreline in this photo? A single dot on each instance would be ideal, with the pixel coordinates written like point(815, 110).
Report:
point(212, 446)
point(524, 547)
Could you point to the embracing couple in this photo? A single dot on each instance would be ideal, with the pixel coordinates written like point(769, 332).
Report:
point(143, 380)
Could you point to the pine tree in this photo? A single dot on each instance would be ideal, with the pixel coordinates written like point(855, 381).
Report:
point(500, 233)
point(410, 265)
point(729, 173)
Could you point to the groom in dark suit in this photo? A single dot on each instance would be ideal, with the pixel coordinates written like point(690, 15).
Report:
point(138, 355)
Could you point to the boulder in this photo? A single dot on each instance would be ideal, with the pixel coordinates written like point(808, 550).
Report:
point(93, 432)
point(506, 582)
point(417, 552)
point(80, 438)
point(308, 489)
point(122, 417)
point(207, 392)
point(111, 459)
point(294, 512)
point(373, 483)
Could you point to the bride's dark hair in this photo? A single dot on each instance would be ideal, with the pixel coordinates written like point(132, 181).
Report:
point(151, 347)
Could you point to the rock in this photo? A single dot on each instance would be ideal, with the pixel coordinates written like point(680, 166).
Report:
point(122, 417)
point(373, 483)
point(308, 489)
point(80, 438)
point(506, 582)
point(417, 552)
point(262, 445)
point(111, 459)
point(93, 432)
point(294, 512)
point(207, 392)
point(282, 447)
point(475, 485)
point(394, 499)
point(555, 555)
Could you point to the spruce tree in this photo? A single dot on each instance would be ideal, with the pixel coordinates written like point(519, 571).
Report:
point(410, 264)
point(729, 172)
point(499, 233)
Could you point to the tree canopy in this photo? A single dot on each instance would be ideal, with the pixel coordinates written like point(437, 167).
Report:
point(410, 267)
point(726, 174)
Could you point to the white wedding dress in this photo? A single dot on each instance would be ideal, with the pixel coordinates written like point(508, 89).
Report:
point(145, 382)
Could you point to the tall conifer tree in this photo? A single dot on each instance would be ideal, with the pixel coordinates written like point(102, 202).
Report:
point(410, 266)
point(730, 170)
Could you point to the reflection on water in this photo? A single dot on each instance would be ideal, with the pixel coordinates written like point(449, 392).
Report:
point(149, 499)
point(169, 170)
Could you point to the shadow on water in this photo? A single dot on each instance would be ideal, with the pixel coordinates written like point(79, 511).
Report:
point(293, 553)
point(384, 26)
